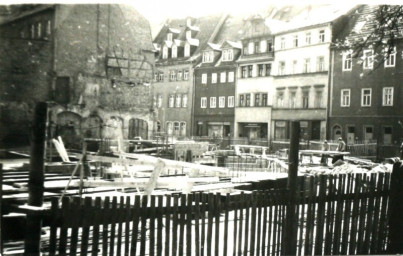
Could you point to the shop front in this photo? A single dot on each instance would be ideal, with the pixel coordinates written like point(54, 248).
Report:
point(253, 130)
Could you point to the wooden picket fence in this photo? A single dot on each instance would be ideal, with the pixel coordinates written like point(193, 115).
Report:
point(336, 214)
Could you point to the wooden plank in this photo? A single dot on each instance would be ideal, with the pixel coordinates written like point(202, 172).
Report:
point(143, 230)
point(112, 216)
point(120, 220)
point(87, 211)
point(265, 203)
point(347, 216)
point(197, 197)
point(127, 226)
point(329, 214)
point(363, 214)
point(135, 223)
point(168, 214)
point(175, 226)
point(159, 223)
point(355, 214)
point(97, 215)
point(53, 225)
point(226, 220)
point(275, 211)
point(247, 226)
point(384, 215)
point(253, 228)
point(105, 226)
point(189, 224)
point(377, 210)
point(240, 230)
point(182, 221)
point(75, 219)
point(258, 203)
point(203, 214)
point(63, 230)
point(310, 194)
point(303, 206)
point(339, 214)
point(210, 207)
point(370, 213)
point(235, 209)
point(320, 215)
point(217, 209)
point(151, 238)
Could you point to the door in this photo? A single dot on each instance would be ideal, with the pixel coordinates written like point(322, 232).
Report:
point(350, 135)
point(315, 132)
point(336, 132)
point(368, 133)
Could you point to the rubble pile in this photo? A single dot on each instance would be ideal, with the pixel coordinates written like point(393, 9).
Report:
point(345, 168)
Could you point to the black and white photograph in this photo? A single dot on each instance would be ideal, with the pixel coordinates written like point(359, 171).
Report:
point(201, 128)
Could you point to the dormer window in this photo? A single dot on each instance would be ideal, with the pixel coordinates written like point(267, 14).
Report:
point(169, 37)
point(174, 51)
point(165, 52)
point(263, 46)
point(187, 50)
point(227, 55)
point(188, 34)
point(208, 56)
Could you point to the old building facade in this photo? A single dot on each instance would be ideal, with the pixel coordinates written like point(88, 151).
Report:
point(366, 89)
point(94, 62)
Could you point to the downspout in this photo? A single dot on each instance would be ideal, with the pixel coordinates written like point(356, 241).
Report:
point(193, 101)
point(330, 94)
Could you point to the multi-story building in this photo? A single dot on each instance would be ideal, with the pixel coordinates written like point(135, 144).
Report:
point(215, 78)
point(179, 45)
point(366, 89)
point(95, 62)
point(301, 71)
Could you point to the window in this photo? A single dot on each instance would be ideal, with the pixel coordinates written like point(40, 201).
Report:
point(263, 46)
point(213, 102)
point(260, 70)
point(223, 77)
point(387, 96)
point(169, 37)
point(179, 76)
point(264, 99)
point(345, 98)
point(241, 100)
point(257, 99)
point(247, 100)
point(204, 78)
point(208, 56)
point(308, 38)
point(48, 28)
point(173, 75)
point(280, 99)
point(347, 61)
point(174, 51)
point(268, 69)
point(169, 128)
point(368, 59)
point(281, 68)
point(280, 130)
point(165, 52)
point(184, 100)
point(269, 45)
point(39, 29)
point(294, 67)
point(221, 102)
point(251, 47)
point(227, 55)
point(244, 72)
point(293, 99)
point(230, 101)
point(32, 31)
point(250, 70)
point(320, 64)
point(214, 78)
point(176, 128)
point(391, 59)
point(282, 43)
point(245, 50)
point(321, 36)
point(178, 101)
point(256, 47)
point(203, 102)
point(186, 75)
point(161, 77)
point(183, 129)
point(387, 135)
point(318, 99)
point(295, 41)
point(307, 66)
point(305, 99)
point(231, 76)
point(159, 101)
point(366, 97)
point(171, 101)
point(187, 50)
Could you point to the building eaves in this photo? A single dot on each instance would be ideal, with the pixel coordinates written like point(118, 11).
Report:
point(26, 13)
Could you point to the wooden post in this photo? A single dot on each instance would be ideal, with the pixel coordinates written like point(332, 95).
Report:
point(395, 245)
point(291, 228)
point(82, 169)
point(1, 213)
point(36, 179)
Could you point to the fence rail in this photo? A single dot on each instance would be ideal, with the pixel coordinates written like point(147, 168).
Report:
point(337, 214)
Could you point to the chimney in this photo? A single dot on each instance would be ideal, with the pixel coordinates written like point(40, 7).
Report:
point(188, 22)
